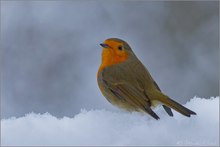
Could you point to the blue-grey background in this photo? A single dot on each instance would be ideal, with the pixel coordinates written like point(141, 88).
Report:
point(50, 50)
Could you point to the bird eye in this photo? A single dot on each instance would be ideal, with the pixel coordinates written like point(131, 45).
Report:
point(120, 48)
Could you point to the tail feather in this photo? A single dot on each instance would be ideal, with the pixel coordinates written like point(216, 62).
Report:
point(178, 107)
point(174, 105)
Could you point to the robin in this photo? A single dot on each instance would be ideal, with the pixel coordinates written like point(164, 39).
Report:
point(127, 84)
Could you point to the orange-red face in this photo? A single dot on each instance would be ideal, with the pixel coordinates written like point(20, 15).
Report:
point(113, 52)
point(116, 47)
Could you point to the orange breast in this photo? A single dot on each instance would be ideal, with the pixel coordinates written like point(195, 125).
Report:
point(111, 57)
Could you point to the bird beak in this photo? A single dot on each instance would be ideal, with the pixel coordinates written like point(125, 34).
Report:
point(104, 45)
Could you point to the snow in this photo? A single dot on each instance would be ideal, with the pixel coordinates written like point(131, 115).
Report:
point(104, 127)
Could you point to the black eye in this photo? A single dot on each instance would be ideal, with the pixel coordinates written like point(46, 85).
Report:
point(120, 48)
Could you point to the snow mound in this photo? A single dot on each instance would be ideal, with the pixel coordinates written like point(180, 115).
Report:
point(102, 127)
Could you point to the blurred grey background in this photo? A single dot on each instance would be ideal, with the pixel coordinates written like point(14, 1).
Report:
point(50, 50)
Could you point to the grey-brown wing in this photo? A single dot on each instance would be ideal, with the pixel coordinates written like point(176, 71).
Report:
point(167, 109)
point(133, 96)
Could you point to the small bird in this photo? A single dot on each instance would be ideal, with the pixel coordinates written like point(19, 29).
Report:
point(127, 84)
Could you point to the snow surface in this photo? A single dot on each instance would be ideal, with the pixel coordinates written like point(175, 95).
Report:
point(104, 127)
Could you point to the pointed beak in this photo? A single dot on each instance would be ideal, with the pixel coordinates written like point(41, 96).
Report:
point(104, 45)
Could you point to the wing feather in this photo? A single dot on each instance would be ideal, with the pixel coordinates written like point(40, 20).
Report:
point(133, 96)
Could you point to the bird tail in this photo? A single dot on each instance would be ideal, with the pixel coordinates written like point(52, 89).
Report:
point(174, 105)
